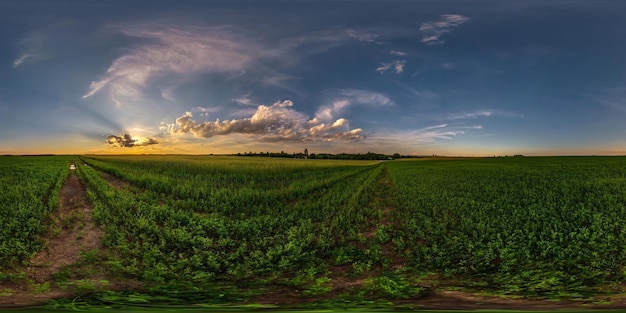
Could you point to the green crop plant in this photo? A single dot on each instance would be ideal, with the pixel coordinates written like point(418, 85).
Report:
point(532, 225)
point(29, 188)
point(226, 217)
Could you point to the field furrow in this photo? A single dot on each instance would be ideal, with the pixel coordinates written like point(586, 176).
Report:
point(421, 232)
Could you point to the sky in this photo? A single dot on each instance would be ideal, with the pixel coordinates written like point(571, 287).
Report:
point(470, 78)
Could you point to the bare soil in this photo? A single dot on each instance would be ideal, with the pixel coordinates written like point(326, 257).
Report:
point(446, 300)
point(73, 232)
point(114, 181)
point(79, 232)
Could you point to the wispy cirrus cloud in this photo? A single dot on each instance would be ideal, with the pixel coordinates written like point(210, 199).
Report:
point(171, 51)
point(328, 36)
point(4, 107)
point(433, 30)
point(295, 49)
point(479, 114)
point(205, 110)
point(170, 54)
point(163, 58)
point(405, 139)
point(276, 123)
point(398, 53)
point(396, 66)
point(469, 115)
point(32, 48)
point(344, 98)
point(365, 97)
point(361, 35)
point(243, 99)
point(614, 98)
point(432, 134)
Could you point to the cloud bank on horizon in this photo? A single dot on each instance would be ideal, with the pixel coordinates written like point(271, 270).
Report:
point(415, 78)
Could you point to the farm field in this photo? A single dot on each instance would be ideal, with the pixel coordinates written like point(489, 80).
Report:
point(30, 187)
point(245, 230)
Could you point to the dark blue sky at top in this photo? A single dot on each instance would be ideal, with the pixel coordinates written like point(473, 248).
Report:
point(424, 77)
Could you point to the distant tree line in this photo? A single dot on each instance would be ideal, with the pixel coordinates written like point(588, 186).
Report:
point(340, 156)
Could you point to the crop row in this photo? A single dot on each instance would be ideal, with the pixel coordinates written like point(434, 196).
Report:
point(236, 228)
point(523, 224)
point(29, 188)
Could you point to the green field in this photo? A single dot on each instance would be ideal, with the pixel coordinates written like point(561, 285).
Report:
point(208, 229)
point(29, 193)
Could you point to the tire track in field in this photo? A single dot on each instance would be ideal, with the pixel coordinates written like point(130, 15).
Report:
point(386, 220)
point(72, 231)
point(382, 201)
point(117, 183)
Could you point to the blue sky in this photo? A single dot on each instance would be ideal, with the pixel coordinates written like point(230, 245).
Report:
point(414, 77)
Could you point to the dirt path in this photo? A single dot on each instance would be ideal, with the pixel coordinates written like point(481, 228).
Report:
point(114, 181)
point(73, 232)
point(78, 232)
point(382, 222)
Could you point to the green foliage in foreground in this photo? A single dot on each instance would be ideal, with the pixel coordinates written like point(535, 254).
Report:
point(29, 189)
point(531, 225)
point(541, 226)
point(218, 229)
point(199, 219)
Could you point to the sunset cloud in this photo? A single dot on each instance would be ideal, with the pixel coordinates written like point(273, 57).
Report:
point(127, 141)
point(278, 122)
point(433, 30)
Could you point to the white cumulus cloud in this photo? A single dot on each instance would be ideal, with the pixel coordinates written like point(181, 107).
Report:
point(278, 122)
